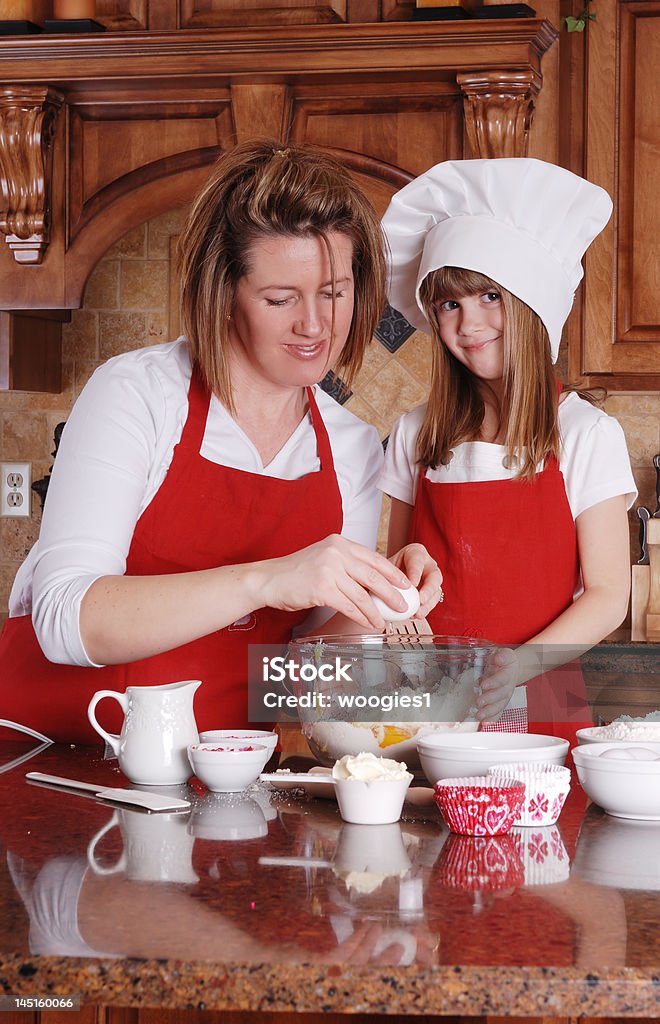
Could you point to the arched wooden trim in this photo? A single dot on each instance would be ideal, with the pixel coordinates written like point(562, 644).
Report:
point(363, 164)
point(160, 187)
point(133, 200)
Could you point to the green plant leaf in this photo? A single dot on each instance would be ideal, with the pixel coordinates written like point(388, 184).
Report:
point(574, 24)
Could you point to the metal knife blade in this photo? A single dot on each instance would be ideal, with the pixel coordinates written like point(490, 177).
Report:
point(136, 797)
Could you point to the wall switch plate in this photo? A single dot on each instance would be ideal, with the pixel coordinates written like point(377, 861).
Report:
point(15, 495)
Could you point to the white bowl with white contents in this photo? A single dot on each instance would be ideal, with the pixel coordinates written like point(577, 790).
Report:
point(370, 790)
point(227, 769)
point(623, 780)
point(446, 757)
point(624, 730)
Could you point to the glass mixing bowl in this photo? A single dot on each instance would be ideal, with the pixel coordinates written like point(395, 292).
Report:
point(382, 693)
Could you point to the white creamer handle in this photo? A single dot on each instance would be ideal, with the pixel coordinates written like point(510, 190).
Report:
point(91, 849)
point(122, 699)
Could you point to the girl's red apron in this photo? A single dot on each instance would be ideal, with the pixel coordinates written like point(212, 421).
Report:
point(509, 558)
point(229, 517)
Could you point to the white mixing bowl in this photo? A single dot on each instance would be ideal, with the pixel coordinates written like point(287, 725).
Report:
point(626, 789)
point(452, 756)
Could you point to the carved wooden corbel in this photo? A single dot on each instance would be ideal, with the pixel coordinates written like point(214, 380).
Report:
point(498, 108)
point(27, 127)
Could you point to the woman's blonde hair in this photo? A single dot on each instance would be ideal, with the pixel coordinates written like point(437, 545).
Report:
point(455, 411)
point(259, 190)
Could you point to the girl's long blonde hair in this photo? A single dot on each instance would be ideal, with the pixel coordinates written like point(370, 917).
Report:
point(455, 410)
point(259, 190)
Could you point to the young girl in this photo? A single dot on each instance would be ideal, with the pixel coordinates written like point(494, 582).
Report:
point(518, 490)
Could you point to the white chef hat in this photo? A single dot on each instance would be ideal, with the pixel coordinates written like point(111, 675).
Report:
point(524, 223)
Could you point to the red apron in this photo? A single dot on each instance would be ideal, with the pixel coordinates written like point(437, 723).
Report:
point(238, 517)
point(509, 558)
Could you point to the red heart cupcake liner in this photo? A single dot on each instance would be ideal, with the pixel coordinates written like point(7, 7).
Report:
point(480, 806)
point(480, 863)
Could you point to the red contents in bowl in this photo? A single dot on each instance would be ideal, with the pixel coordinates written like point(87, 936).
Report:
point(212, 749)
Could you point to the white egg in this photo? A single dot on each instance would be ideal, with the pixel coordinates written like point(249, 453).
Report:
point(643, 754)
point(411, 597)
point(630, 754)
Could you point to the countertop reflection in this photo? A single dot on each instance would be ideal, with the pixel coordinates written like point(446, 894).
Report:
point(270, 901)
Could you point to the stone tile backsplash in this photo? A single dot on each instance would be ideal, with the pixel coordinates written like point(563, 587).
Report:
point(130, 301)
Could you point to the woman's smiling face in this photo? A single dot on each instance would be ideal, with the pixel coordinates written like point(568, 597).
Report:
point(281, 329)
point(472, 328)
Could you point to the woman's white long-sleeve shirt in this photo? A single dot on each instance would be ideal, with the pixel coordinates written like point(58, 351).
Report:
point(114, 454)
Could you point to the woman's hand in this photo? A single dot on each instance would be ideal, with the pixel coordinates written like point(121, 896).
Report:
point(423, 573)
point(334, 573)
point(501, 676)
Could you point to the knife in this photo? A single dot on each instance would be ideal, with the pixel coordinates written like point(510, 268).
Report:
point(136, 797)
point(644, 516)
point(656, 463)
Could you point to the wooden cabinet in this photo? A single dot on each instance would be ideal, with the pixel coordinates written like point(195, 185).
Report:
point(121, 128)
point(621, 335)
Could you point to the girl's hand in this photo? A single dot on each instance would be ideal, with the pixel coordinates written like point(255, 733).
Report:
point(423, 573)
point(333, 573)
point(501, 676)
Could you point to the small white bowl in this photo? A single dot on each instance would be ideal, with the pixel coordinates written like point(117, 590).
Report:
point(462, 754)
point(241, 736)
point(371, 803)
point(625, 789)
point(226, 817)
point(227, 769)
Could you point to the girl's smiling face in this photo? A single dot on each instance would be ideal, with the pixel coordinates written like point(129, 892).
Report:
point(472, 329)
point(281, 328)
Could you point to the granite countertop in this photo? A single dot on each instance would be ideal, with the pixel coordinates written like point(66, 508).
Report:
point(271, 902)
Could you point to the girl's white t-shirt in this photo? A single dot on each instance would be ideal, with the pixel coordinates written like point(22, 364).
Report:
point(115, 451)
point(593, 458)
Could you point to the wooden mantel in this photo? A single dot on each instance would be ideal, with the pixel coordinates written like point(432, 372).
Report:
point(101, 132)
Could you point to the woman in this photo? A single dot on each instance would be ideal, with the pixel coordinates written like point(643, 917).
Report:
point(205, 495)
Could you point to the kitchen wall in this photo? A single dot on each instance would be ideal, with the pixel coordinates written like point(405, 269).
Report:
point(131, 300)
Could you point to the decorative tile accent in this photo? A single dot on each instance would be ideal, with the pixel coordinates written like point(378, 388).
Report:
point(416, 355)
point(335, 387)
point(393, 329)
point(364, 411)
point(394, 391)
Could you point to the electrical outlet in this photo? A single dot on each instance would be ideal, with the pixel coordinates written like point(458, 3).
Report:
point(15, 496)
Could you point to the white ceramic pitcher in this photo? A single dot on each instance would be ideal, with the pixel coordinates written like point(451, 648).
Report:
point(158, 726)
point(157, 847)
